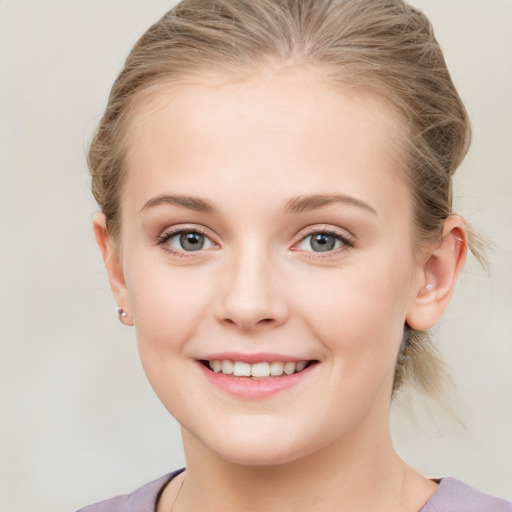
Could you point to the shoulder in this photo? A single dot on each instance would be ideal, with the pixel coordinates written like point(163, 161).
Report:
point(142, 499)
point(455, 496)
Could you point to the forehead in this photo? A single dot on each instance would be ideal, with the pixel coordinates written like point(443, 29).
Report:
point(282, 96)
point(291, 128)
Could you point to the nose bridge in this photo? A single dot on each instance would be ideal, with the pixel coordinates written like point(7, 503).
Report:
point(252, 296)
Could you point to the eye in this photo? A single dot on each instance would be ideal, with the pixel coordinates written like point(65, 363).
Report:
point(324, 241)
point(185, 241)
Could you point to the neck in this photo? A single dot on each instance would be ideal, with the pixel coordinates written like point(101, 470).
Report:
point(359, 472)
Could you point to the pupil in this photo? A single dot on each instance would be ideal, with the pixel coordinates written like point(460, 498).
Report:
point(322, 243)
point(192, 241)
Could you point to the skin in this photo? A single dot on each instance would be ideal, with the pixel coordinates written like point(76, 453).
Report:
point(247, 147)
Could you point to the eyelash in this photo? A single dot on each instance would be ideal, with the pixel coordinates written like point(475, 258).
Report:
point(168, 235)
point(347, 242)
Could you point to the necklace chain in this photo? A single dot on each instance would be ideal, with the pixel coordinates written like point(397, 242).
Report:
point(177, 494)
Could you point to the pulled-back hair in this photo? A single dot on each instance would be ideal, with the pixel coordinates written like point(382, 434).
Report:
point(384, 47)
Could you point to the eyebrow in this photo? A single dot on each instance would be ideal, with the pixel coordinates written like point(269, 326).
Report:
point(191, 203)
point(295, 205)
point(311, 202)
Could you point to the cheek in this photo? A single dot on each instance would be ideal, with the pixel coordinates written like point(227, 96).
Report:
point(167, 309)
point(359, 313)
point(168, 304)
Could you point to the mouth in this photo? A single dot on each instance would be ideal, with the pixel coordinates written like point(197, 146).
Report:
point(259, 370)
point(256, 376)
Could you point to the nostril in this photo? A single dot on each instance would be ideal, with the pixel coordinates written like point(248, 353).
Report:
point(263, 321)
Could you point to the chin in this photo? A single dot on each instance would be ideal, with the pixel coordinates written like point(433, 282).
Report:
point(258, 446)
point(258, 456)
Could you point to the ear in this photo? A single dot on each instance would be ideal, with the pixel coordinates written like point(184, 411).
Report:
point(438, 275)
point(113, 266)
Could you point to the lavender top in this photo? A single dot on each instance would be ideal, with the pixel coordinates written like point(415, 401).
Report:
point(451, 496)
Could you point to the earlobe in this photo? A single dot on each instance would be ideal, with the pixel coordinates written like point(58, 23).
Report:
point(113, 267)
point(439, 274)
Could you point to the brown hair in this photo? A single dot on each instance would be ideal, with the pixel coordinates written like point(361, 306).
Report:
point(385, 47)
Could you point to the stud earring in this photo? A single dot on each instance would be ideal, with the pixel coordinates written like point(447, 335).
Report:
point(429, 287)
point(121, 313)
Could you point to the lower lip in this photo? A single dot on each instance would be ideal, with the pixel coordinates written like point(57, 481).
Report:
point(246, 387)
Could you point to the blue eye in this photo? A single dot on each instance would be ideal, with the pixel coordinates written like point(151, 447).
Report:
point(323, 242)
point(187, 241)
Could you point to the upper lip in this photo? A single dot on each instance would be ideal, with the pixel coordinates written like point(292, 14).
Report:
point(258, 357)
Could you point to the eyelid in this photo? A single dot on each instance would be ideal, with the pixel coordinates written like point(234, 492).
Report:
point(348, 240)
point(173, 231)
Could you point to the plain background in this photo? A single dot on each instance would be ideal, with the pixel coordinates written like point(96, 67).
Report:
point(79, 422)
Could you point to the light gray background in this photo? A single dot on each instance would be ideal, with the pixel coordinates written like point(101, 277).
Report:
point(78, 420)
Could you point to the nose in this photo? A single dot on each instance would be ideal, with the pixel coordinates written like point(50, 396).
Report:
point(250, 295)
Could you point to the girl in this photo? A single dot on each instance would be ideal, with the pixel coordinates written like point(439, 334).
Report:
point(275, 185)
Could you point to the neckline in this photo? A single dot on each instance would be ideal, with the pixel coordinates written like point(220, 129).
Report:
point(167, 480)
point(442, 484)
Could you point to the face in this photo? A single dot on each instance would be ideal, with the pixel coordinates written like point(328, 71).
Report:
point(266, 231)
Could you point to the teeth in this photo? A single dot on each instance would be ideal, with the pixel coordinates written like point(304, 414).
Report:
point(258, 370)
point(241, 369)
point(276, 368)
point(300, 366)
point(216, 366)
point(227, 367)
point(289, 368)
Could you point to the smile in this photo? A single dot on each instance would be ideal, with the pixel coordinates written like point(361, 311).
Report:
point(264, 369)
point(258, 377)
